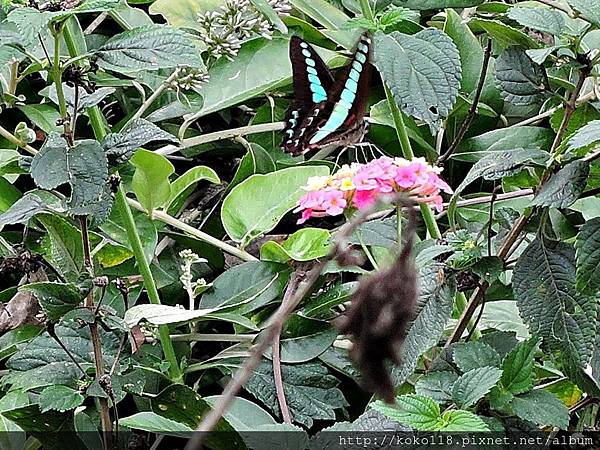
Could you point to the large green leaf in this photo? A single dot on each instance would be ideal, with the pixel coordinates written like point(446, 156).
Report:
point(311, 392)
point(565, 186)
point(461, 421)
point(163, 314)
point(588, 256)
point(151, 179)
point(423, 72)
point(56, 299)
point(257, 204)
point(300, 349)
point(24, 209)
point(502, 140)
point(589, 8)
point(190, 178)
point(544, 286)
point(64, 248)
point(60, 398)
point(517, 368)
point(260, 66)
point(543, 408)
point(474, 384)
point(435, 304)
point(435, 4)
point(520, 80)
point(183, 13)
point(148, 48)
point(586, 135)
point(246, 287)
point(543, 19)
point(152, 422)
point(42, 115)
point(505, 35)
point(49, 167)
point(436, 385)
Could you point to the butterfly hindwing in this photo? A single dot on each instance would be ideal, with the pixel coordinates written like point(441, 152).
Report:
point(335, 117)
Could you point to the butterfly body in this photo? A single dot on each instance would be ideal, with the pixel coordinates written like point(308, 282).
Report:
point(326, 112)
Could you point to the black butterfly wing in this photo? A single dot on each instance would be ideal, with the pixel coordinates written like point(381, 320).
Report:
point(339, 118)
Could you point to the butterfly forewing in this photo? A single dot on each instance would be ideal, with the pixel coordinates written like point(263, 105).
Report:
point(338, 118)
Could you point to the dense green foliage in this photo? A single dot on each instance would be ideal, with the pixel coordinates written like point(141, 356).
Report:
point(147, 231)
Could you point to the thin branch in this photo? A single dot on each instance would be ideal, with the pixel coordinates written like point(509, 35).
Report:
point(473, 109)
point(175, 223)
point(16, 141)
point(220, 135)
point(276, 360)
point(95, 23)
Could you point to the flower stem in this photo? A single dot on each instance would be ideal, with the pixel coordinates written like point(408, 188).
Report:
point(149, 284)
point(367, 12)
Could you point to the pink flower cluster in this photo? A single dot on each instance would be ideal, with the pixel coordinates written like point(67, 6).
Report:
point(359, 185)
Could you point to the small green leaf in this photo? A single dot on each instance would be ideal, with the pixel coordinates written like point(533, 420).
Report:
point(586, 135)
point(474, 354)
point(303, 245)
point(588, 256)
point(436, 385)
point(542, 408)
point(520, 80)
point(60, 398)
point(189, 179)
point(565, 186)
point(163, 314)
point(505, 35)
point(517, 369)
point(461, 421)
point(63, 248)
point(23, 209)
point(148, 47)
point(151, 179)
point(257, 204)
point(416, 411)
point(423, 72)
point(56, 299)
point(49, 167)
point(152, 422)
point(322, 304)
point(474, 384)
point(543, 19)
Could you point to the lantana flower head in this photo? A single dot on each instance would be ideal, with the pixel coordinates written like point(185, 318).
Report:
point(359, 185)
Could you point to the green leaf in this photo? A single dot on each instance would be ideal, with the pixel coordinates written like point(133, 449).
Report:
point(56, 299)
point(42, 426)
point(473, 355)
point(474, 384)
point(520, 80)
point(183, 13)
point(501, 164)
point(589, 8)
point(436, 385)
point(471, 58)
point(544, 286)
point(539, 55)
point(586, 135)
point(43, 116)
point(588, 256)
point(311, 392)
point(49, 167)
point(87, 430)
point(189, 179)
point(183, 405)
point(148, 48)
point(244, 415)
point(88, 175)
point(163, 314)
point(423, 71)
point(149, 421)
point(120, 146)
point(30, 22)
point(257, 204)
point(378, 232)
point(23, 209)
point(305, 348)
point(505, 35)
point(151, 179)
point(146, 228)
point(9, 341)
point(267, 10)
point(322, 304)
point(246, 287)
point(542, 408)
point(416, 411)
point(64, 248)
point(60, 398)
point(303, 245)
point(503, 140)
point(256, 161)
point(435, 303)
point(565, 186)
point(543, 19)
point(461, 421)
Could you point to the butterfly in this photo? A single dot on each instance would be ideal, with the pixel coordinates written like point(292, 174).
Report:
point(326, 111)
